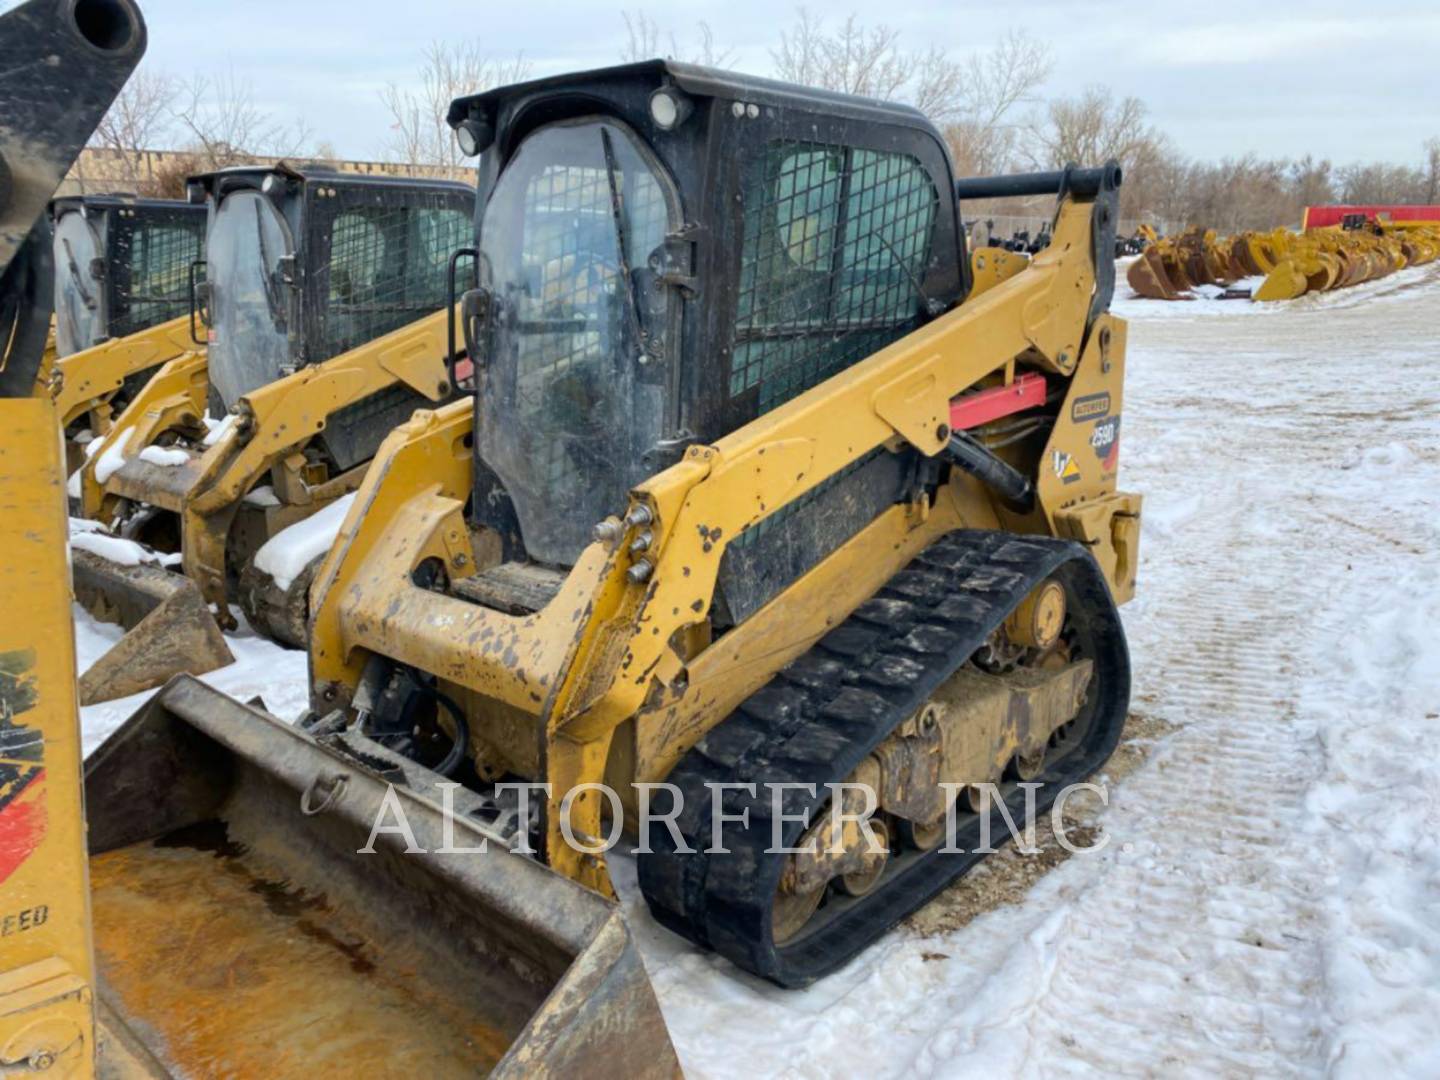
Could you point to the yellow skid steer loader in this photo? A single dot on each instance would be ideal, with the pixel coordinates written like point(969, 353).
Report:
point(123, 268)
point(325, 297)
point(760, 492)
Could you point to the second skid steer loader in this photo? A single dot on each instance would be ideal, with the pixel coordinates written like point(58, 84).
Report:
point(760, 491)
point(122, 303)
point(323, 297)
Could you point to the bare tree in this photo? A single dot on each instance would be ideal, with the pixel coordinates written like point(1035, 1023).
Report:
point(225, 126)
point(137, 121)
point(419, 133)
point(1091, 128)
point(976, 101)
point(1432, 170)
point(855, 59)
point(1311, 182)
point(642, 38)
point(644, 42)
point(1382, 182)
point(971, 99)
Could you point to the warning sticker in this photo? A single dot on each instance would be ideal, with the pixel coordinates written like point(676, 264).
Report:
point(1065, 467)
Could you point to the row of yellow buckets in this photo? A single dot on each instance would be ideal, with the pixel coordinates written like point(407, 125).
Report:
point(1292, 264)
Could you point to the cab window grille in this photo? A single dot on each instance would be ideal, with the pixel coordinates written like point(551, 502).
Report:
point(835, 240)
point(387, 269)
point(153, 275)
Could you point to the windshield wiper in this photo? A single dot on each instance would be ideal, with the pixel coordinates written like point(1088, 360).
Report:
point(272, 291)
point(631, 306)
point(85, 297)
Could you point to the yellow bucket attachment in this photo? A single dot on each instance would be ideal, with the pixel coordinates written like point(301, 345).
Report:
point(1285, 282)
point(169, 629)
point(251, 921)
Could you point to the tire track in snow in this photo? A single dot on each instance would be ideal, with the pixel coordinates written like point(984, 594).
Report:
point(1199, 947)
point(1199, 943)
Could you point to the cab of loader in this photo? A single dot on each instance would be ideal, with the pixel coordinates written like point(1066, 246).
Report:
point(122, 265)
point(305, 263)
point(667, 252)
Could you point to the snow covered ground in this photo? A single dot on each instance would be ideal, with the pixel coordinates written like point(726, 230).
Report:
point(1268, 902)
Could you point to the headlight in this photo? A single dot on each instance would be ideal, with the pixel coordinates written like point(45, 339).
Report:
point(669, 108)
point(472, 135)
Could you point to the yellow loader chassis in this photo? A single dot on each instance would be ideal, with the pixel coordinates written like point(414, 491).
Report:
point(607, 636)
point(47, 981)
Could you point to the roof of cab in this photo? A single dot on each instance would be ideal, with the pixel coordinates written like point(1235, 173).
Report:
point(251, 175)
point(698, 82)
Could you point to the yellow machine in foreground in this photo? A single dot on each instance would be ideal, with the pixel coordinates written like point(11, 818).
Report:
point(60, 73)
point(759, 491)
point(325, 297)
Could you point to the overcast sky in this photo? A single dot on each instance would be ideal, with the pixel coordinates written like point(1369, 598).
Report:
point(1343, 80)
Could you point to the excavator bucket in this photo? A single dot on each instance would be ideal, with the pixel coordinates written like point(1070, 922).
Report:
point(168, 628)
point(1148, 278)
point(271, 903)
point(1284, 282)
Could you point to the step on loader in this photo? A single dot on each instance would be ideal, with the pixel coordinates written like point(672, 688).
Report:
point(324, 301)
point(762, 489)
point(122, 304)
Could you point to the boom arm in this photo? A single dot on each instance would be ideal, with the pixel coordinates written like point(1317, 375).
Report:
point(90, 377)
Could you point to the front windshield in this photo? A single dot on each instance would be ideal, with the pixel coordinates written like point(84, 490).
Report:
point(79, 298)
point(248, 304)
point(576, 381)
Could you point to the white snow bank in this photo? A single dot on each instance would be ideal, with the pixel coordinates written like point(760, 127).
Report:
point(264, 495)
point(162, 455)
point(91, 444)
point(113, 458)
point(1377, 808)
point(218, 429)
point(1207, 300)
point(261, 668)
point(91, 536)
point(123, 552)
point(290, 550)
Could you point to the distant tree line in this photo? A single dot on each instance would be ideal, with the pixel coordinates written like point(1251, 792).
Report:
point(987, 103)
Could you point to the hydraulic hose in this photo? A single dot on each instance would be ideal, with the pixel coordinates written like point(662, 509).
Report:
point(456, 754)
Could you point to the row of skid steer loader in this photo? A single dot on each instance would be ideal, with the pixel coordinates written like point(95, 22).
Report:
point(766, 482)
point(322, 304)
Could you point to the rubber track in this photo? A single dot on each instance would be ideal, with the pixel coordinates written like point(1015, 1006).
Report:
point(819, 717)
